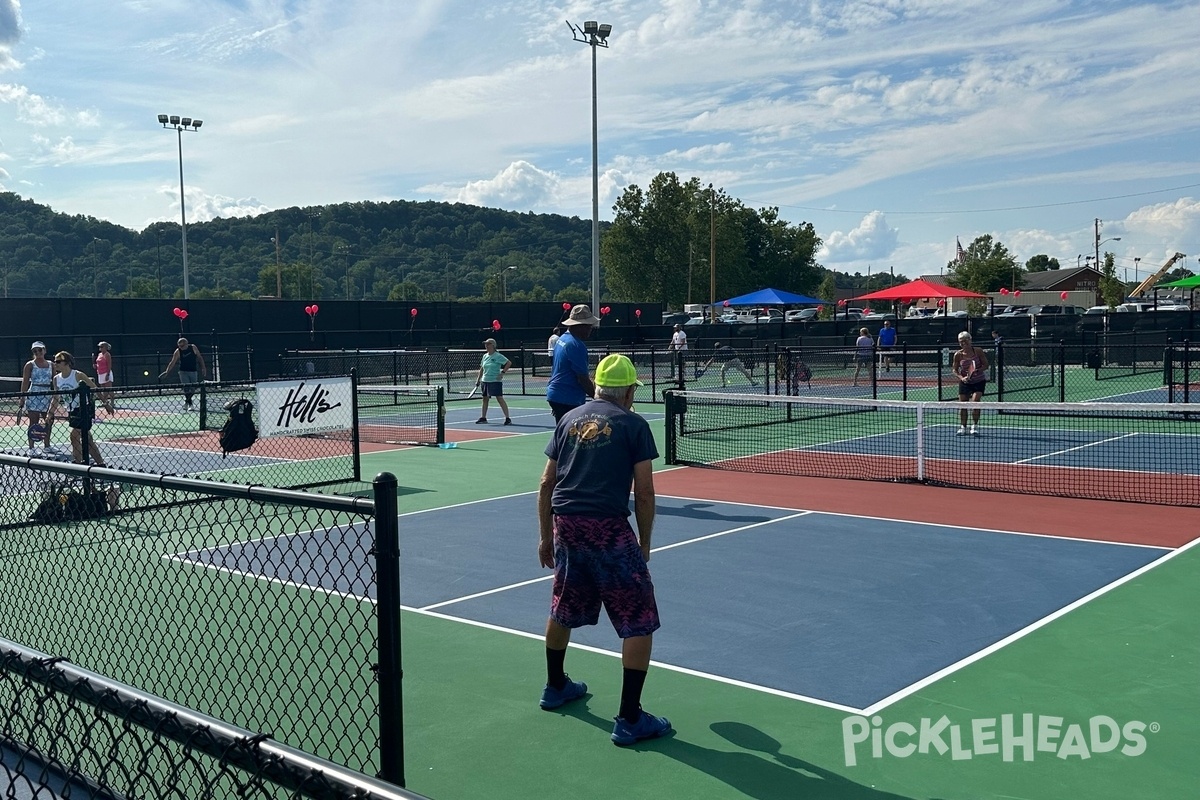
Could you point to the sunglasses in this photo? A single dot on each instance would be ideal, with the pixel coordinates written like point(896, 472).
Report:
point(60, 361)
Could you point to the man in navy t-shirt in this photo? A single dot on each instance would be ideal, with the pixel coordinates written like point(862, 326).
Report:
point(570, 385)
point(887, 343)
point(598, 452)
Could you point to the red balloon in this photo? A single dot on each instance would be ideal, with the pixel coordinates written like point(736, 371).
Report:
point(495, 324)
point(177, 311)
point(1062, 295)
point(726, 304)
point(183, 315)
point(637, 312)
point(1017, 293)
point(820, 309)
point(316, 308)
point(412, 312)
point(941, 303)
point(566, 306)
point(308, 310)
point(1003, 290)
point(841, 302)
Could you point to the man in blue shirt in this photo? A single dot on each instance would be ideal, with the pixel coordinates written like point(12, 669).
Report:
point(570, 384)
point(598, 451)
point(887, 343)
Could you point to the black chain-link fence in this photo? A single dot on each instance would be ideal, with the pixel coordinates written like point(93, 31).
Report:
point(175, 430)
point(255, 606)
point(68, 732)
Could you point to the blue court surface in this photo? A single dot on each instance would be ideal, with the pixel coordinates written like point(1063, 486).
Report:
point(839, 610)
point(1002, 442)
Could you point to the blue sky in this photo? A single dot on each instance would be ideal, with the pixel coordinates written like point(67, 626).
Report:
point(893, 126)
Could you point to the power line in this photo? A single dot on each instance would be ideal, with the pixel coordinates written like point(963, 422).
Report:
point(989, 210)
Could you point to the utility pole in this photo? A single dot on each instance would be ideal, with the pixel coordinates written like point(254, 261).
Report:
point(712, 253)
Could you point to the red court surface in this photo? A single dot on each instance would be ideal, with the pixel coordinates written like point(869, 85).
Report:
point(1134, 523)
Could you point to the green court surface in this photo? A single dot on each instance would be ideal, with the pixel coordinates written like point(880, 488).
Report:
point(474, 730)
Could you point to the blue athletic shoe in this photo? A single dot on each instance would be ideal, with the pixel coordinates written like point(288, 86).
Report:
point(648, 726)
point(553, 698)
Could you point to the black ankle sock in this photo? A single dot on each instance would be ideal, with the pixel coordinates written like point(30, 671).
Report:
point(631, 694)
point(555, 676)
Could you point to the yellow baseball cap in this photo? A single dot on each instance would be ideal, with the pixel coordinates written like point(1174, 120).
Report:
point(616, 370)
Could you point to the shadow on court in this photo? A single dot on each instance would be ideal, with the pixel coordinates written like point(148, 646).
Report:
point(757, 769)
point(701, 511)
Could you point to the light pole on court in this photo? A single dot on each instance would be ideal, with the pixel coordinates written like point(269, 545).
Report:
point(179, 125)
point(594, 35)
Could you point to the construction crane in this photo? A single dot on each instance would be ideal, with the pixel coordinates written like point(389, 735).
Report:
point(1145, 285)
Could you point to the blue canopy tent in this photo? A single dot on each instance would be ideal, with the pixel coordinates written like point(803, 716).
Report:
point(771, 297)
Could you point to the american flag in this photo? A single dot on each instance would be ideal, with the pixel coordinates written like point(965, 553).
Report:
point(959, 255)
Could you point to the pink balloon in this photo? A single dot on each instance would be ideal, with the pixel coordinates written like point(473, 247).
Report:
point(308, 310)
point(183, 315)
point(1003, 290)
point(1017, 293)
point(1062, 295)
point(495, 324)
point(316, 308)
point(566, 306)
point(726, 304)
point(637, 312)
point(412, 312)
point(841, 302)
point(941, 303)
point(820, 309)
point(177, 311)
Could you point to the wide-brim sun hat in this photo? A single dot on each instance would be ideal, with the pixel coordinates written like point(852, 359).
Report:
point(616, 371)
point(581, 315)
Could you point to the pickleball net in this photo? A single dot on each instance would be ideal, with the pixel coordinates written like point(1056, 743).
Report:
point(401, 414)
point(1105, 451)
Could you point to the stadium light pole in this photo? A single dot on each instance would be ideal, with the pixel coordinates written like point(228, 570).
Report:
point(95, 272)
point(179, 125)
point(594, 35)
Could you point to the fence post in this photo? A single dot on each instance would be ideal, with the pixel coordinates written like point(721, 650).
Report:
point(389, 669)
point(355, 435)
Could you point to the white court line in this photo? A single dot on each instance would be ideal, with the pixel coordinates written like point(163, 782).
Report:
point(653, 550)
point(657, 664)
point(928, 680)
point(1054, 453)
point(872, 709)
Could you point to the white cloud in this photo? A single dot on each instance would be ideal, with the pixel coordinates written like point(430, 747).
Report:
point(872, 239)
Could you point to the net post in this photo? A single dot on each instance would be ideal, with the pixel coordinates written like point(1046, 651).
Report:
point(669, 399)
point(203, 405)
point(1000, 372)
point(1187, 372)
point(355, 433)
point(389, 668)
point(920, 442)
point(1062, 371)
point(526, 358)
point(875, 352)
point(441, 415)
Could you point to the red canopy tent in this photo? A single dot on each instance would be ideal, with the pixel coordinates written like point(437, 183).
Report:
point(919, 290)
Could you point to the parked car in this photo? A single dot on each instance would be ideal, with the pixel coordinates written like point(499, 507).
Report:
point(769, 315)
point(878, 316)
point(675, 318)
point(1011, 311)
point(1097, 310)
point(801, 315)
point(1060, 310)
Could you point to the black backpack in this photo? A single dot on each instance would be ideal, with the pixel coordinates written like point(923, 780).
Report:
point(238, 432)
